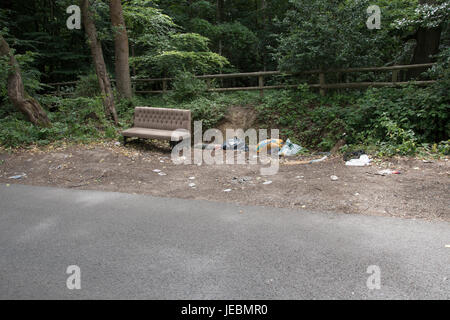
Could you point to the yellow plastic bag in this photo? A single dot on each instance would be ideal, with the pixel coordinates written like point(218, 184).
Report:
point(269, 145)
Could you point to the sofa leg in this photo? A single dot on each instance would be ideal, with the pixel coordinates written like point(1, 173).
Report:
point(124, 141)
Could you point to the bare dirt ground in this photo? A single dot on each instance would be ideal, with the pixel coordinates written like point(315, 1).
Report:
point(420, 191)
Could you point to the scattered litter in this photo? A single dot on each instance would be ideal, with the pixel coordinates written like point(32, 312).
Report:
point(192, 185)
point(290, 163)
point(416, 168)
point(334, 178)
point(19, 176)
point(267, 182)
point(241, 180)
point(235, 144)
point(319, 160)
point(157, 170)
point(427, 161)
point(117, 143)
point(289, 149)
point(387, 172)
point(191, 178)
point(162, 161)
point(361, 162)
point(447, 245)
point(269, 146)
point(353, 155)
point(227, 190)
point(162, 174)
point(356, 194)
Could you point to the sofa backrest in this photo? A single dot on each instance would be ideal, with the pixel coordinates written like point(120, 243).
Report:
point(162, 118)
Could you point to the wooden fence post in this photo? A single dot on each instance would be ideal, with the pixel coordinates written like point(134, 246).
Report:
point(164, 86)
point(322, 83)
point(395, 74)
point(261, 85)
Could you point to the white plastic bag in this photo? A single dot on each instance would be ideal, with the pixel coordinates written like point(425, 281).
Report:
point(361, 162)
point(289, 149)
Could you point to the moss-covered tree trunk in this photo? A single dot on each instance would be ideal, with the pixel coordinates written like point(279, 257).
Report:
point(16, 91)
point(99, 62)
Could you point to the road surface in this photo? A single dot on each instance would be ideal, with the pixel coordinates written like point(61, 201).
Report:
point(141, 247)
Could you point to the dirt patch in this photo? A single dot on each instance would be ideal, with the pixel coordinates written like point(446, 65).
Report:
point(420, 191)
point(238, 117)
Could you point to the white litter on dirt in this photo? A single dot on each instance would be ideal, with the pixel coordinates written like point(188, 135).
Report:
point(191, 178)
point(192, 185)
point(162, 174)
point(267, 182)
point(227, 190)
point(157, 170)
point(361, 162)
point(387, 172)
point(334, 178)
point(19, 176)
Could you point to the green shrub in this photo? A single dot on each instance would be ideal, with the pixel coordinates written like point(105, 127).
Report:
point(186, 87)
point(87, 86)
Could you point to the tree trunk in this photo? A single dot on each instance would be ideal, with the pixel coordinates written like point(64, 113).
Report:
point(99, 62)
point(428, 41)
point(16, 92)
point(123, 80)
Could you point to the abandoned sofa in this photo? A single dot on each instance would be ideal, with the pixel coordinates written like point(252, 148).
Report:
point(160, 123)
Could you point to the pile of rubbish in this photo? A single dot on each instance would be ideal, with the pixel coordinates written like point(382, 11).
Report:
point(235, 144)
point(271, 146)
point(284, 149)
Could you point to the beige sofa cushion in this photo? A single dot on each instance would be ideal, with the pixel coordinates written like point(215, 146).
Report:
point(146, 133)
point(162, 118)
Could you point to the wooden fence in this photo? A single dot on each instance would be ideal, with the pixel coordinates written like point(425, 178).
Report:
point(322, 85)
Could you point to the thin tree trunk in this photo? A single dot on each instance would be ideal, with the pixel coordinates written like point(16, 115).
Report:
point(123, 80)
point(219, 17)
point(16, 91)
point(99, 62)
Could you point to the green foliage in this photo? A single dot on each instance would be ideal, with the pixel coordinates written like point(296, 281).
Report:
point(305, 117)
point(87, 86)
point(238, 43)
point(186, 87)
point(207, 110)
point(397, 140)
point(397, 121)
point(192, 42)
point(148, 28)
point(76, 120)
point(425, 15)
point(169, 63)
point(423, 110)
point(327, 34)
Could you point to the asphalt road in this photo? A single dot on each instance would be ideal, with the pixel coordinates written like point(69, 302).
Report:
point(133, 246)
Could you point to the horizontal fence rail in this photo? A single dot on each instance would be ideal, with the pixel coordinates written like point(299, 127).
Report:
point(322, 85)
